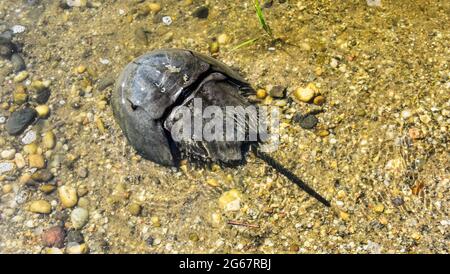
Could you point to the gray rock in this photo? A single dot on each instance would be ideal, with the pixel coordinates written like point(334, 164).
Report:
point(20, 120)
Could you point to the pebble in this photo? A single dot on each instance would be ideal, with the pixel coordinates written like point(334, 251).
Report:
point(167, 20)
point(30, 148)
point(261, 93)
point(68, 196)
point(53, 237)
point(29, 138)
point(75, 236)
point(154, 7)
point(304, 94)
point(41, 97)
point(36, 160)
point(105, 82)
point(49, 140)
point(230, 200)
point(378, 208)
point(214, 47)
point(319, 100)
point(42, 176)
point(20, 98)
point(223, 39)
point(322, 133)
point(79, 217)
point(20, 120)
point(398, 201)
point(134, 209)
point(52, 250)
point(76, 3)
point(308, 121)
point(40, 206)
point(42, 111)
point(155, 221)
point(17, 62)
point(21, 76)
point(47, 188)
point(212, 182)
point(201, 12)
point(17, 29)
point(7, 188)
point(277, 91)
point(75, 248)
point(6, 167)
point(8, 154)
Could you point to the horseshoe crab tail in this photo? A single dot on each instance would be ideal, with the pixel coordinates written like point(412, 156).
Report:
point(291, 176)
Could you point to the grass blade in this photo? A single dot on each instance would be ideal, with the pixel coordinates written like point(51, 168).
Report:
point(261, 19)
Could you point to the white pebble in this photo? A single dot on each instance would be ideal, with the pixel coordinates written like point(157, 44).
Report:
point(104, 61)
point(2, 120)
point(6, 166)
point(18, 29)
point(167, 20)
point(29, 137)
point(374, 3)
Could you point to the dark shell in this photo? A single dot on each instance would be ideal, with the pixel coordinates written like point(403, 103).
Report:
point(151, 87)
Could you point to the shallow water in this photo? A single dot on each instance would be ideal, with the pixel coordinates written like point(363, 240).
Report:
point(379, 151)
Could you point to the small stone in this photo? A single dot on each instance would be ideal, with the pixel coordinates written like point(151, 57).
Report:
point(230, 200)
point(167, 20)
point(154, 7)
point(74, 236)
point(106, 82)
point(36, 160)
point(319, 100)
point(416, 236)
point(49, 140)
point(20, 98)
point(42, 111)
point(155, 221)
point(425, 118)
point(37, 85)
point(17, 62)
point(41, 97)
point(53, 237)
point(294, 248)
point(308, 121)
point(82, 172)
point(201, 12)
point(40, 206)
point(212, 182)
point(344, 215)
point(29, 137)
point(223, 39)
point(261, 93)
point(334, 63)
point(20, 120)
point(79, 217)
point(19, 160)
point(8, 154)
point(81, 69)
point(82, 190)
point(68, 196)
point(398, 201)
point(30, 148)
point(134, 209)
point(415, 133)
point(277, 91)
point(214, 47)
point(304, 94)
point(7, 188)
point(322, 133)
point(193, 237)
point(406, 114)
point(42, 176)
point(6, 167)
point(75, 248)
point(21, 76)
point(47, 188)
point(378, 208)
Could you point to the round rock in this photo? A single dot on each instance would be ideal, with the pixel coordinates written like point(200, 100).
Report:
point(20, 120)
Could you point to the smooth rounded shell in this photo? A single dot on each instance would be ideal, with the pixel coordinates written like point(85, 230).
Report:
point(148, 87)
